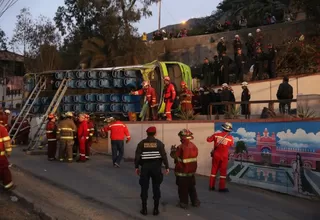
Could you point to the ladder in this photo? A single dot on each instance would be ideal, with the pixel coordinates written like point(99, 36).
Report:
point(51, 109)
point(40, 86)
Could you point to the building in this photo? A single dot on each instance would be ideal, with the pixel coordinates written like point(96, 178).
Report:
point(11, 79)
point(266, 151)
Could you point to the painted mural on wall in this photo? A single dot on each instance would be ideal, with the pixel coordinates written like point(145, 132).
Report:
point(284, 155)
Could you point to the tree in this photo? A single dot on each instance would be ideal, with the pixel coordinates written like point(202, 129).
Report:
point(3, 40)
point(241, 148)
point(311, 7)
point(22, 31)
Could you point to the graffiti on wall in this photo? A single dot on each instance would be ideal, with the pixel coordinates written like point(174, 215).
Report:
point(283, 154)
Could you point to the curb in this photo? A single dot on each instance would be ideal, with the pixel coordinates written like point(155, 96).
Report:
point(70, 190)
point(26, 202)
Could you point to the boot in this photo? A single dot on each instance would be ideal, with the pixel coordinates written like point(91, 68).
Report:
point(224, 190)
point(156, 207)
point(212, 188)
point(144, 210)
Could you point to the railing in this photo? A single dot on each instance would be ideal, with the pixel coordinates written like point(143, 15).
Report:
point(230, 106)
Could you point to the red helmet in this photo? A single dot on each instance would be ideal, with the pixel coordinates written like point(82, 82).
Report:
point(51, 116)
point(185, 134)
point(183, 84)
point(166, 78)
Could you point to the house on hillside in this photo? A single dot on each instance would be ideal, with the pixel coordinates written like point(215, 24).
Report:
point(11, 79)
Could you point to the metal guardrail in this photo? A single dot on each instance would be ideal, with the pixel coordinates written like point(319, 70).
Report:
point(230, 104)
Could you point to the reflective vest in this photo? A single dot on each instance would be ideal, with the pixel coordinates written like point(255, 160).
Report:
point(186, 97)
point(90, 129)
point(222, 142)
point(66, 129)
point(169, 93)
point(186, 159)
point(51, 131)
point(5, 145)
point(150, 95)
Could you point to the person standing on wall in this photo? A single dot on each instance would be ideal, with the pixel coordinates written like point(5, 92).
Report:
point(222, 142)
point(66, 133)
point(118, 132)
point(169, 97)
point(5, 151)
point(185, 158)
point(51, 133)
point(150, 97)
point(284, 95)
point(83, 136)
point(150, 154)
point(245, 97)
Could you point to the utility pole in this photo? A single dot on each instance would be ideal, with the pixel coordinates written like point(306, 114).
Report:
point(4, 87)
point(159, 15)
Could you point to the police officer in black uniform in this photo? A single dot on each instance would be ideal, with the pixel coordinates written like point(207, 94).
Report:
point(150, 154)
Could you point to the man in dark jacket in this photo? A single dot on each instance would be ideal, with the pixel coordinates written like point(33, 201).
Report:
point(221, 47)
point(216, 71)
point(206, 73)
point(271, 61)
point(284, 95)
point(258, 68)
point(225, 62)
point(240, 62)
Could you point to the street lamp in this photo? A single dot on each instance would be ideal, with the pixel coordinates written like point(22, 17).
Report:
point(183, 22)
point(159, 15)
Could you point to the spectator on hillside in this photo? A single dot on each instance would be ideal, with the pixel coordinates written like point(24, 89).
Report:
point(271, 57)
point(240, 61)
point(206, 73)
point(259, 38)
point(284, 95)
point(236, 45)
point(144, 37)
point(258, 68)
point(217, 78)
point(227, 25)
point(243, 22)
point(225, 62)
point(221, 47)
point(250, 46)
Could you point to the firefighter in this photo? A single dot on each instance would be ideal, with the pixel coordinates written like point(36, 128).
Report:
point(24, 131)
point(83, 136)
point(75, 147)
point(185, 98)
point(185, 158)
point(118, 132)
point(222, 142)
point(169, 97)
point(245, 97)
point(7, 114)
point(5, 151)
point(150, 97)
point(51, 133)
point(150, 154)
point(66, 132)
point(91, 133)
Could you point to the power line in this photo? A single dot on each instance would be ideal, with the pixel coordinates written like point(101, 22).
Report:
point(5, 5)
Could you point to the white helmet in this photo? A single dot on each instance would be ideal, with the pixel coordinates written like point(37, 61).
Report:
point(227, 127)
point(222, 38)
point(244, 84)
point(110, 119)
point(7, 111)
point(258, 30)
point(145, 83)
point(237, 36)
point(250, 35)
point(224, 85)
point(68, 114)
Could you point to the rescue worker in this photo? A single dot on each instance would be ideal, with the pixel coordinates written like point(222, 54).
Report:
point(185, 98)
point(245, 97)
point(51, 133)
point(83, 136)
point(222, 142)
point(75, 146)
point(150, 97)
point(5, 151)
point(7, 114)
point(91, 133)
point(236, 45)
point(150, 154)
point(185, 158)
point(118, 132)
point(169, 97)
point(66, 132)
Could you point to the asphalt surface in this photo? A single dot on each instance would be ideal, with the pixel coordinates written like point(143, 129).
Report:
point(118, 189)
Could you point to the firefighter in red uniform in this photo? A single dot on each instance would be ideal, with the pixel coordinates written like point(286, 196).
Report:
point(185, 98)
point(118, 132)
point(150, 97)
point(169, 97)
point(51, 133)
point(83, 135)
point(5, 151)
point(6, 121)
point(91, 133)
point(185, 157)
point(222, 142)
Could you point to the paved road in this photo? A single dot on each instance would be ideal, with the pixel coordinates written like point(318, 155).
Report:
point(118, 188)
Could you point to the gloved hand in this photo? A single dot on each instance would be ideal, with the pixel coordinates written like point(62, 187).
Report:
point(137, 171)
point(128, 140)
point(211, 153)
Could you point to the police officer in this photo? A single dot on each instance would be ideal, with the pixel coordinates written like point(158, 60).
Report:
point(150, 154)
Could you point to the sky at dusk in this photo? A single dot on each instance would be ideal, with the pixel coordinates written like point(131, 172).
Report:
point(173, 11)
